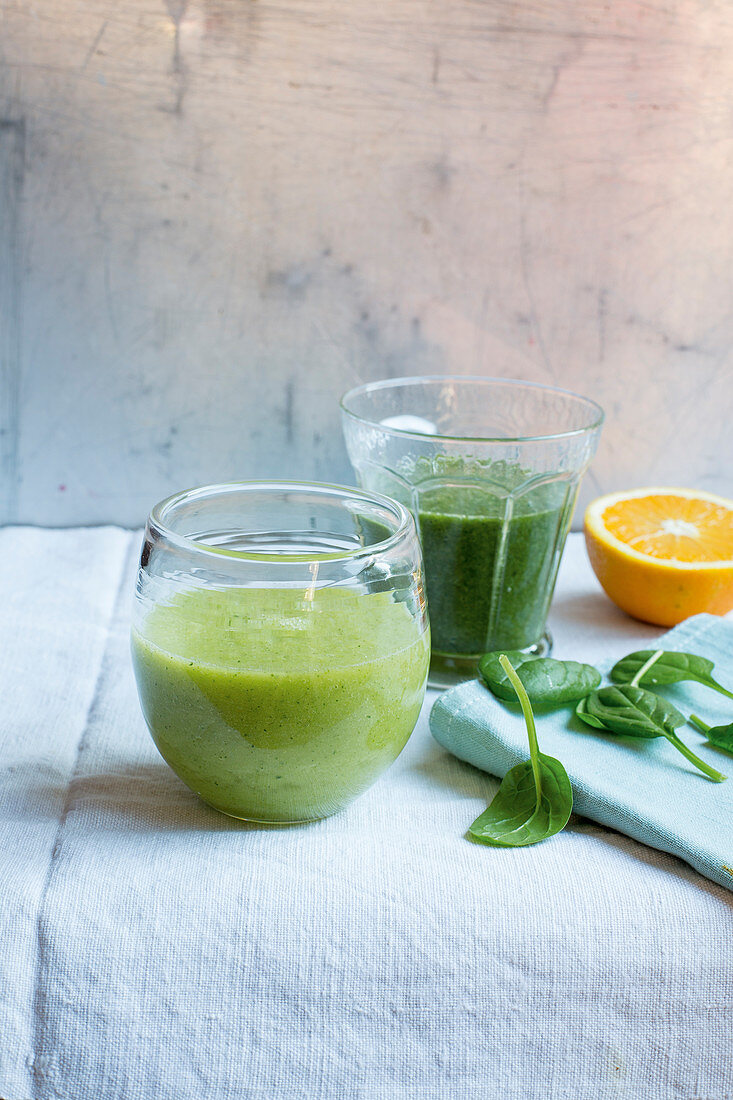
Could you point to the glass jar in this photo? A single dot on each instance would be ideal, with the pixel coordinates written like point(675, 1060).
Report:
point(490, 468)
point(280, 643)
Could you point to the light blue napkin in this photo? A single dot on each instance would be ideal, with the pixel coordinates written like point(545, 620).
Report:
point(643, 788)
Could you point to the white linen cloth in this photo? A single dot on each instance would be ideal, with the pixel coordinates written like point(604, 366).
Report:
point(151, 949)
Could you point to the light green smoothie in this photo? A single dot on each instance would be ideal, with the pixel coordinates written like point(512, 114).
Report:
point(274, 706)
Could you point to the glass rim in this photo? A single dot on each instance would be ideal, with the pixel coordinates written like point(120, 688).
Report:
point(158, 520)
point(412, 380)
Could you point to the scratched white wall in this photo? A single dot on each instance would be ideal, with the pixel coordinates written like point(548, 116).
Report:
point(216, 215)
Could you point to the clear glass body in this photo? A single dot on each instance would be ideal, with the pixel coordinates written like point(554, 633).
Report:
point(280, 643)
point(490, 469)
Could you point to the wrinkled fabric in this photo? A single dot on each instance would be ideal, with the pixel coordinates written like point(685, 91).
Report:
point(151, 949)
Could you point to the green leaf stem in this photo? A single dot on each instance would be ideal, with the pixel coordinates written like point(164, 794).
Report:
point(633, 712)
point(534, 800)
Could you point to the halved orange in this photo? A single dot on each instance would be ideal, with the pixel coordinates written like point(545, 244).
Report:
point(663, 554)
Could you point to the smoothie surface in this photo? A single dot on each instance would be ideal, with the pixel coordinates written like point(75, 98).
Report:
point(283, 631)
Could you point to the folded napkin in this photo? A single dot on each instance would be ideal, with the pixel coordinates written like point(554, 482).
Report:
point(643, 788)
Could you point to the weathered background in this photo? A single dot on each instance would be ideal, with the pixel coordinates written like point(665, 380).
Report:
point(216, 215)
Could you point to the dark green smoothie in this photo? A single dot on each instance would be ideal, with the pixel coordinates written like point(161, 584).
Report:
point(486, 590)
point(491, 540)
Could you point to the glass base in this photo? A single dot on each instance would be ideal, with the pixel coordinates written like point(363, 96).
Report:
point(446, 670)
point(269, 820)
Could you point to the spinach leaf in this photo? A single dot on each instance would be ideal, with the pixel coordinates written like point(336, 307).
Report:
point(720, 736)
point(516, 817)
point(634, 712)
point(630, 711)
point(535, 798)
point(668, 668)
point(545, 680)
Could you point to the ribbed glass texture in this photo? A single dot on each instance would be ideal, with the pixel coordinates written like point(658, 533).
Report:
point(490, 468)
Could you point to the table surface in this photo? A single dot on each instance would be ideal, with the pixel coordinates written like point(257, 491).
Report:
point(150, 947)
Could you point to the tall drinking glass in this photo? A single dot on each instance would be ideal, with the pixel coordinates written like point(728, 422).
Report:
point(490, 469)
point(280, 643)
